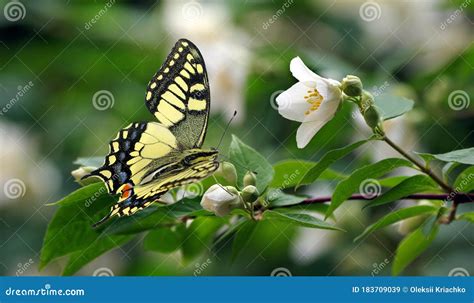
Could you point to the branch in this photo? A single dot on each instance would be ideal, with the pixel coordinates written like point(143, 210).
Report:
point(459, 198)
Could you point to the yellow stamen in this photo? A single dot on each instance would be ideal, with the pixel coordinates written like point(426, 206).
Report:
point(315, 99)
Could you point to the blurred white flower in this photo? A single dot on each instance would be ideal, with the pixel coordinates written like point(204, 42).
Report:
point(313, 101)
point(224, 47)
point(24, 174)
point(219, 200)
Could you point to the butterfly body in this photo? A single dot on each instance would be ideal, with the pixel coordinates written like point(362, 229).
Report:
point(146, 159)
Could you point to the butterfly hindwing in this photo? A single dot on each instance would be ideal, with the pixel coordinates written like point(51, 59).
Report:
point(178, 94)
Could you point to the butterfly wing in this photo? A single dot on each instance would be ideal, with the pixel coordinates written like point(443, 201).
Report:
point(178, 94)
point(135, 150)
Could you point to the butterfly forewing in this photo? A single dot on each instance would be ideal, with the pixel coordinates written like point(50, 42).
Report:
point(178, 94)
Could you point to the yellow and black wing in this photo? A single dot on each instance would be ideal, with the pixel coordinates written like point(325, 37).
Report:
point(135, 150)
point(178, 94)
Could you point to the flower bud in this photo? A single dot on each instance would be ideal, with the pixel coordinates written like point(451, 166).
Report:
point(352, 86)
point(220, 200)
point(79, 173)
point(369, 111)
point(249, 194)
point(250, 179)
point(227, 171)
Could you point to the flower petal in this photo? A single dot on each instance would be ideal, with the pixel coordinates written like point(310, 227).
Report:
point(319, 118)
point(291, 103)
point(301, 72)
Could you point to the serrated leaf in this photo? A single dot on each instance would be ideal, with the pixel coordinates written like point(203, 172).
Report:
point(164, 240)
point(464, 182)
point(299, 219)
point(277, 198)
point(242, 238)
point(392, 181)
point(327, 160)
point(397, 216)
point(391, 106)
point(246, 158)
point(412, 185)
point(464, 156)
point(347, 187)
point(412, 246)
point(447, 169)
point(289, 173)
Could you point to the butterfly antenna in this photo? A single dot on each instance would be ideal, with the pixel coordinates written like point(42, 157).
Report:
point(226, 128)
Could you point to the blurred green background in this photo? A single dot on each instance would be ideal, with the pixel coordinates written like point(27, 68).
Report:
point(55, 56)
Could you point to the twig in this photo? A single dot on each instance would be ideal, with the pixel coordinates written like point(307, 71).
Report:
point(420, 165)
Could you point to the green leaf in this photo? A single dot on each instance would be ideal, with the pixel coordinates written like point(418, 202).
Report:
point(165, 239)
point(242, 238)
point(464, 156)
point(448, 168)
point(246, 158)
point(426, 157)
point(198, 236)
point(100, 245)
point(396, 216)
point(71, 227)
point(464, 182)
point(90, 161)
point(299, 219)
point(277, 198)
point(70, 230)
point(156, 216)
point(392, 181)
point(412, 185)
point(347, 187)
point(412, 246)
point(87, 194)
point(329, 158)
point(469, 216)
point(391, 106)
point(289, 173)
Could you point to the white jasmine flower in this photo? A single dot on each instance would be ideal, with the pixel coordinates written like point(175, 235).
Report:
point(313, 101)
point(219, 200)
